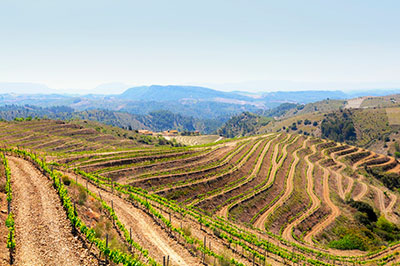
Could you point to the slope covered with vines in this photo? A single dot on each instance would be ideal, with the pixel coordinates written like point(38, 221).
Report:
point(273, 199)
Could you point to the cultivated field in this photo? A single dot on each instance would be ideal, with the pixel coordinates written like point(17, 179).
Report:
point(78, 197)
point(196, 140)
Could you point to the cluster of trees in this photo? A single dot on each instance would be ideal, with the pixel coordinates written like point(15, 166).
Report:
point(17, 112)
point(244, 124)
point(390, 180)
point(158, 141)
point(20, 119)
point(379, 225)
point(202, 110)
point(279, 110)
point(190, 133)
point(294, 125)
point(373, 231)
point(339, 126)
point(397, 150)
point(155, 120)
point(165, 120)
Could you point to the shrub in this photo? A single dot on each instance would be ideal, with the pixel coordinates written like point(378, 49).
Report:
point(187, 231)
point(66, 180)
point(217, 233)
point(349, 241)
point(362, 218)
point(390, 180)
point(224, 260)
point(99, 230)
point(365, 208)
point(384, 224)
point(397, 147)
point(82, 196)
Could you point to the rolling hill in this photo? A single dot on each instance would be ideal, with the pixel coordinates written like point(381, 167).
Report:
point(156, 120)
point(197, 102)
point(368, 122)
point(272, 199)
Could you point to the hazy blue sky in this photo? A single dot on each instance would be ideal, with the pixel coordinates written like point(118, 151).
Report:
point(82, 44)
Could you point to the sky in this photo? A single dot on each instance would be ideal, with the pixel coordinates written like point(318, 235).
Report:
point(248, 45)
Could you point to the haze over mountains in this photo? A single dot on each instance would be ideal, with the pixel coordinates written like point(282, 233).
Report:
point(162, 93)
point(156, 107)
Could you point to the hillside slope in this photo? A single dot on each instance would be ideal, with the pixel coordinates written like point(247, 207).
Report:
point(244, 198)
point(375, 128)
point(156, 120)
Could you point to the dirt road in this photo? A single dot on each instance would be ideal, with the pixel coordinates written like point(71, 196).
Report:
point(364, 189)
point(43, 233)
point(144, 230)
point(387, 211)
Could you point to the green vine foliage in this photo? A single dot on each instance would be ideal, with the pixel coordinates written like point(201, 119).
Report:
point(114, 255)
point(10, 218)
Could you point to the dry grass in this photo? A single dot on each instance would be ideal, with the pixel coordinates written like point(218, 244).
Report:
point(383, 101)
point(393, 115)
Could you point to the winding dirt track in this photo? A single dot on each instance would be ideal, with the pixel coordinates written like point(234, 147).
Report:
point(315, 202)
point(389, 209)
point(43, 233)
point(364, 186)
point(364, 189)
point(363, 160)
point(144, 229)
point(386, 210)
point(289, 189)
point(381, 199)
point(395, 170)
point(391, 160)
point(332, 216)
point(342, 192)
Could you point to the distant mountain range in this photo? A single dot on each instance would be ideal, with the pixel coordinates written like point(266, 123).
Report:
point(174, 98)
point(186, 102)
point(175, 93)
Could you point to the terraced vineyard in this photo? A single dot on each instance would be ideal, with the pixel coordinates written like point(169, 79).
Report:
point(276, 199)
